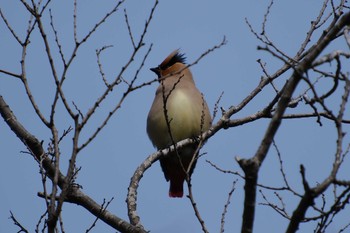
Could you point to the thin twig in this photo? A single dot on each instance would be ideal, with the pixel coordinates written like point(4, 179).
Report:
point(59, 46)
point(129, 29)
point(228, 201)
point(195, 208)
point(216, 106)
point(103, 208)
point(14, 34)
point(15, 221)
point(98, 53)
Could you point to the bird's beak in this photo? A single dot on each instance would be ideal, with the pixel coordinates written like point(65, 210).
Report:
point(156, 70)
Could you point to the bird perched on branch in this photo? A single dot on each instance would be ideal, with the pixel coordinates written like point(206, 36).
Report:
point(179, 111)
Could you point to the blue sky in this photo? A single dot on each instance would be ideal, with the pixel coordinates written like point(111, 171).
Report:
point(109, 162)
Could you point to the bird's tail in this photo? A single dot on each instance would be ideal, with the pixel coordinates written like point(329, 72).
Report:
point(176, 187)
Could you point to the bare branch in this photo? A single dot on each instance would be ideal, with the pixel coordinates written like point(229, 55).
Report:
point(280, 210)
point(15, 221)
point(14, 34)
point(98, 52)
point(251, 166)
point(129, 29)
point(268, 9)
point(75, 21)
point(314, 25)
point(286, 183)
point(216, 106)
point(59, 46)
point(118, 105)
point(75, 195)
point(330, 57)
point(194, 204)
point(223, 215)
point(347, 35)
point(103, 208)
point(312, 193)
point(11, 74)
point(119, 76)
point(97, 24)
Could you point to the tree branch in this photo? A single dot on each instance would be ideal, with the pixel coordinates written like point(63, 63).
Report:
point(74, 195)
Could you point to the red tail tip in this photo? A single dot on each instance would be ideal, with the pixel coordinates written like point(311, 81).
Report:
point(176, 194)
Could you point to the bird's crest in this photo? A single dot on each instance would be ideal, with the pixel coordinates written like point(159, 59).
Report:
point(173, 58)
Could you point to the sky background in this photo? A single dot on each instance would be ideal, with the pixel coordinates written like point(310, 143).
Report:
point(108, 163)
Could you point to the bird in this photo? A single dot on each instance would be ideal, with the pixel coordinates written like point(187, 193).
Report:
point(178, 111)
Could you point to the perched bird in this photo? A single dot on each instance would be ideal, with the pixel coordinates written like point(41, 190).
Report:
point(179, 111)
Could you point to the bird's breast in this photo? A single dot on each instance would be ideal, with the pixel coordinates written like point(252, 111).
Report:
point(183, 112)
